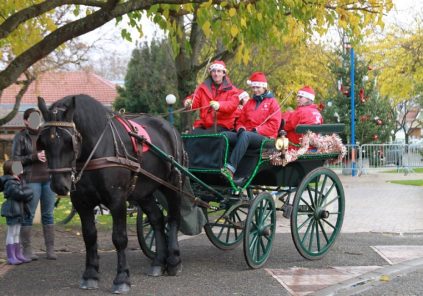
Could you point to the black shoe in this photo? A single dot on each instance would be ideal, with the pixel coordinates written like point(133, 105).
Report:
point(227, 173)
point(240, 181)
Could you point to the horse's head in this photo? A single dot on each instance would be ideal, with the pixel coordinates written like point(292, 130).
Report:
point(61, 142)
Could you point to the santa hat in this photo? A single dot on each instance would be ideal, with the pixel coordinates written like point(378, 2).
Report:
point(257, 79)
point(307, 92)
point(217, 65)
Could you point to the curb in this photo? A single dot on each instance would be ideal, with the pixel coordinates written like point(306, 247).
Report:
point(371, 279)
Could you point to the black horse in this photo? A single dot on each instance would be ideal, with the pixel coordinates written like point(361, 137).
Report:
point(79, 134)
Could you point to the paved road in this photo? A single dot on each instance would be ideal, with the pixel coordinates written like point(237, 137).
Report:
point(377, 214)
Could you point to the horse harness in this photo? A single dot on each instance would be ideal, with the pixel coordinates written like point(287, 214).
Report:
point(124, 159)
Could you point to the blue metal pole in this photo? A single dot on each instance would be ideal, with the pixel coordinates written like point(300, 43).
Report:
point(170, 110)
point(352, 77)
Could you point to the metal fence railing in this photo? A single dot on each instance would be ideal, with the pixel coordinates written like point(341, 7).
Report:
point(402, 157)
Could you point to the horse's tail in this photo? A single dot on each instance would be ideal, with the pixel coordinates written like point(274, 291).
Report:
point(178, 177)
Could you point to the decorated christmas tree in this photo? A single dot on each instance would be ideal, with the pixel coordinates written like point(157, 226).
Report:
point(374, 121)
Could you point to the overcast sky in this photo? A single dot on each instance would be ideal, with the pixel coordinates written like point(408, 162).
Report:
point(111, 41)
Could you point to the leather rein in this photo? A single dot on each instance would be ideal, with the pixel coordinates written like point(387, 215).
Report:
point(119, 160)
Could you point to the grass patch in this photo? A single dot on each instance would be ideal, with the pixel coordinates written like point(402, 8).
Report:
point(408, 182)
point(414, 170)
point(64, 208)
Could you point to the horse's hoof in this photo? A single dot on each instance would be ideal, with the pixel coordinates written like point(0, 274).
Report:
point(174, 270)
point(121, 288)
point(155, 271)
point(89, 284)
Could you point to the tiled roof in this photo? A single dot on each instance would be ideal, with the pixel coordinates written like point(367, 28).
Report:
point(53, 86)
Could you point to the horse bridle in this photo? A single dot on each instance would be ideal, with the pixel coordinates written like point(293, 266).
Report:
point(70, 129)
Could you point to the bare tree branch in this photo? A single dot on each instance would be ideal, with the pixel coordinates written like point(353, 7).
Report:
point(22, 16)
point(75, 29)
point(25, 84)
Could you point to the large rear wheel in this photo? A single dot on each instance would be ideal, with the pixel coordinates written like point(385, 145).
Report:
point(260, 230)
point(318, 213)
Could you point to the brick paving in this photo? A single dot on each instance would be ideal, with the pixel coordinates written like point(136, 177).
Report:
point(373, 204)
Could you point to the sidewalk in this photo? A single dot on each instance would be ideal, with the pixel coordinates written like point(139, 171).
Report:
point(373, 204)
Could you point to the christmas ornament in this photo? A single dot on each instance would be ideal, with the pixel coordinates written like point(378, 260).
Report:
point(361, 94)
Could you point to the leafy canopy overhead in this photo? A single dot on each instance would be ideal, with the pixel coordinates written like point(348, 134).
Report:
point(233, 23)
point(398, 57)
point(242, 24)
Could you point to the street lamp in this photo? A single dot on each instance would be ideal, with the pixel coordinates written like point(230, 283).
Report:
point(170, 100)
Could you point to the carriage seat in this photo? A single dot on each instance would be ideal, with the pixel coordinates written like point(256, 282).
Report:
point(210, 152)
point(326, 128)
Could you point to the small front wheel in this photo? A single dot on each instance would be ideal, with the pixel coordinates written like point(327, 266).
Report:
point(145, 232)
point(225, 226)
point(259, 230)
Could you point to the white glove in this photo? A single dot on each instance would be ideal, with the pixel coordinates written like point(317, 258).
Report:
point(244, 96)
point(215, 105)
point(188, 103)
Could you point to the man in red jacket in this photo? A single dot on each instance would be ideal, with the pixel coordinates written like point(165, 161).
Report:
point(215, 95)
point(305, 113)
point(260, 119)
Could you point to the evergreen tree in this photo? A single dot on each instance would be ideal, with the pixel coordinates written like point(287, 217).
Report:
point(374, 121)
point(150, 77)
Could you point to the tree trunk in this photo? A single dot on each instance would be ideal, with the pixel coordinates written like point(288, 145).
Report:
point(186, 80)
point(185, 64)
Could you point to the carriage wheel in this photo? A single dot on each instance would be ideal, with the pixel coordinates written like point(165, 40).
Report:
point(318, 213)
point(225, 227)
point(260, 230)
point(145, 233)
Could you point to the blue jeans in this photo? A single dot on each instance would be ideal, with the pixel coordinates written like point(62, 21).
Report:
point(243, 141)
point(47, 198)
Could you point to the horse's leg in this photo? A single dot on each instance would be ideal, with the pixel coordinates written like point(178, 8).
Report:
point(173, 261)
point(156, 219)
point(121, 283)
point(89, 232)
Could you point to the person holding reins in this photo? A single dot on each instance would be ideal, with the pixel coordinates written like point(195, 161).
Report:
point(217, 99)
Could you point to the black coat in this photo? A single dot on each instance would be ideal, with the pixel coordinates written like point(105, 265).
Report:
point(24, 149)
point(16, 197)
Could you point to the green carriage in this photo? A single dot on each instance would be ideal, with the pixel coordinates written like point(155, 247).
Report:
point(304, 191)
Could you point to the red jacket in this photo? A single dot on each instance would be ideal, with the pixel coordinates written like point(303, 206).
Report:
point(266, 118)
point(302, 115)
point(227, 96)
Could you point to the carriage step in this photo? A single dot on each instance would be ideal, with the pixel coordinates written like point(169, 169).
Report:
point(287, 210)
point(239, 225)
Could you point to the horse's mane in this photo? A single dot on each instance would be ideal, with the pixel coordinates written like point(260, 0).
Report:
point(89, 114)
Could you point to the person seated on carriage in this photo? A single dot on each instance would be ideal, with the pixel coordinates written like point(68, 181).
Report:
point(215, 95)
point(260, 119)
point(305, 113)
